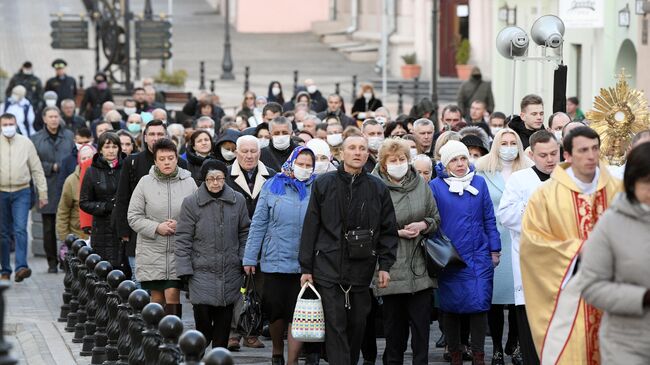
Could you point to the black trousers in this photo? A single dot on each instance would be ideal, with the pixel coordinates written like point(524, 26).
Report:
point(49, 238)
point(214, 323)
point(477, 328)
point(369, 343)
point(528, 351)
point(401, 313)
point(496, 321)
point(344, 327)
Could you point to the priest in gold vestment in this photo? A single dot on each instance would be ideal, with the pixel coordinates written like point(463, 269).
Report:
point(556, 223)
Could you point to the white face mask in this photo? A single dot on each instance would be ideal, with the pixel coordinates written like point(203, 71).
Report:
point(374, 143)
point(321, 167)
point(129, 111)
point(301, 173)
point(275, 91)
point(381, 120)
point(558, 135)
point(227, 154)
point(281, 142)
point(508, 153)
point(264, 142)
point(78, 145)
point(210, 131)
point(334, 139)
point(494, 130)
point(367, 96)
point(9, 131)
point(413, 152)
point(16, 97)
point(397, 171)
point(300, 125)
point(312, 89)
point(50, 102)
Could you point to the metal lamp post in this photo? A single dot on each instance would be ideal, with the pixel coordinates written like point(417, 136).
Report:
point(434, 57)
point(226, 64)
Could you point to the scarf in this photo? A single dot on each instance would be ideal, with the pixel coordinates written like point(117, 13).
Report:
point(286, 178)
point(459, 184)
point(162, 176)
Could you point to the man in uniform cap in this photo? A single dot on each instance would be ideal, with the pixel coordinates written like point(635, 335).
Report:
point(64, 85)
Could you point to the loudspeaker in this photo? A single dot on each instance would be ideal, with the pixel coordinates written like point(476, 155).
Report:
point(511, 42)
point(548, 31)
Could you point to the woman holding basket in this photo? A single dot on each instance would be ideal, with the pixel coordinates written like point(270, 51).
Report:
point(275, 233)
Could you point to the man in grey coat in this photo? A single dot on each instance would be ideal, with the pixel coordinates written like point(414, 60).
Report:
point(475, 89)
point(53, 143)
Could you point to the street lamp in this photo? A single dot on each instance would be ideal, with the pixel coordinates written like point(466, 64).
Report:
point(624, 17)
point(226, 64)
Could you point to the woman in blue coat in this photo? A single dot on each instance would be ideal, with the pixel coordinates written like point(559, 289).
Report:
point(274, 237)
point(467, 218)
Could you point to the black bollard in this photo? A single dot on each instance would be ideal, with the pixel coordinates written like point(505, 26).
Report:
point(247, 75)
point(91, 307)
point(337, 88)
point(218, 356)
point(295, 81)
point(137, 300)
point(114, 279)
point(354, 88)
point(101, 317)
point(400, 99)
point(82, 270)
point(5, 357)
point(192, 344)
point(202, 75)
point(212, 82)
point(81, 82)
point(416, 85)
point(74, 287)
point(152, 313)
point(170, 328)
point(123, 310)
point(67, 279)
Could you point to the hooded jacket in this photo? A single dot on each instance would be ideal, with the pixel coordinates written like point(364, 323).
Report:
point(517, 124)
point(477, 132)
point(67, 214)
point(615, 273)
point(324, 251)
point(228, 136)
point(154, 201)
point(413, 202)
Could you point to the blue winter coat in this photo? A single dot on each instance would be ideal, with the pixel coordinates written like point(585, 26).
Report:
point(276, 229)
point(468, 220)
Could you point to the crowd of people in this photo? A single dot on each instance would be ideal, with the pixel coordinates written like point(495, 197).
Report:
point(290, 191)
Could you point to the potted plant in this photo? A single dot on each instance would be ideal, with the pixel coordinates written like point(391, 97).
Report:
point(410, 68)
point(463, 70)
point(176, 78)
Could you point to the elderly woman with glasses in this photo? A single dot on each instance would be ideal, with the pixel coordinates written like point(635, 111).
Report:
point(210, 240)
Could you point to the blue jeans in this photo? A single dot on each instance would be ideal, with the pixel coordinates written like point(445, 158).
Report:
point(14, 209)
point(132, 264)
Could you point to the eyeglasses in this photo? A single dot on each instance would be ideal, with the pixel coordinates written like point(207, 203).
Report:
point(212, 180)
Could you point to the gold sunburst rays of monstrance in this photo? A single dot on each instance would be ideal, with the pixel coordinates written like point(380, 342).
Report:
point(618, 114)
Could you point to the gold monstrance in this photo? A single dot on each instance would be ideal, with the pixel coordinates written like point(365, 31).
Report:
point(619, 113)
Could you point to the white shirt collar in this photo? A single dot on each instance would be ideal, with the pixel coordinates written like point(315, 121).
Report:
point(586, 188)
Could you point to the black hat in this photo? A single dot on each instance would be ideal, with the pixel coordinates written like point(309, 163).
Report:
point(59, 63)
point(27, 64)
point(212, 164)
point(474, 141)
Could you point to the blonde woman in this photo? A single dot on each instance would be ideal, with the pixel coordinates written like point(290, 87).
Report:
point(505, 157)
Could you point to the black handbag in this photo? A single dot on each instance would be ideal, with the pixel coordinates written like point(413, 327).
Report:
point(251, 314)
point(440, 254)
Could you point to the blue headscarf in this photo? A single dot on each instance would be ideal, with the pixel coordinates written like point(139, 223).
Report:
point(286, 176)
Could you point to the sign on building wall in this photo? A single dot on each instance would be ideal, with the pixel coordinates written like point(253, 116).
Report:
point(582, 13)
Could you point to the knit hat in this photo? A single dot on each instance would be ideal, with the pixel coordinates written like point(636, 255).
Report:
point(212, 164)
point(451, 150)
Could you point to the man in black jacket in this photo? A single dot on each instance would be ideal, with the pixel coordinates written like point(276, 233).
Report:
point(134, 167)
point(530, 120)
point(342, 265)
point(281, 146)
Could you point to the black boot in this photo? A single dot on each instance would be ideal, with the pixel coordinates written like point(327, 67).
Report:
point(174, 309)
point(312, 359)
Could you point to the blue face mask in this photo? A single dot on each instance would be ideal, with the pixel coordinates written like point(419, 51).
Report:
point(134, 127)
point(508, 153)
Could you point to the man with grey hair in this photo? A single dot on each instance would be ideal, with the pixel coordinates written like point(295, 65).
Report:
point(281, 146)
point(423, 130)
point(161, 114)
point(556, 123)
point(72, 120)
point(335, 108)
point(247, 175)
point(206, 124)
point(424, 166)
point(382, 115)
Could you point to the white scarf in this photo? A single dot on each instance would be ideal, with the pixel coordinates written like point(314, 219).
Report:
point(459, 184)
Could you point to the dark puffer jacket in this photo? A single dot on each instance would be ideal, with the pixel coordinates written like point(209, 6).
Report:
point(97, 197)
point(194, 163)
